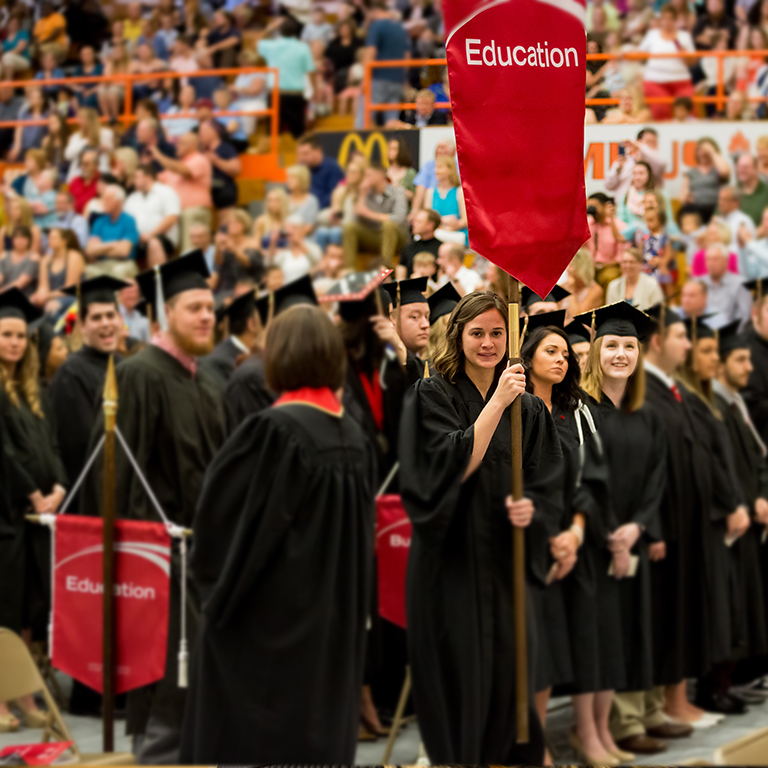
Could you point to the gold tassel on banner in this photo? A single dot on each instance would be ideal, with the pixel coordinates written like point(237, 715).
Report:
point(525, 330)
point(426, 369)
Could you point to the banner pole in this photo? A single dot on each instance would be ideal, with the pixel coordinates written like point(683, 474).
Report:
point(108, 560)
point(518, 534)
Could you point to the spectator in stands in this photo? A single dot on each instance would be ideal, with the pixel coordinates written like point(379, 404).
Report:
point(326, 172)
point(150, 138)
point(60, 268)
point(646, 147)
point(132, 24)
point(682, 110)
point(16, 54)
point(450, 260)
point(386, 41)
point(425, 265)
point(424, 115)
point(727, 297)
point(225, 163)
point(424, 224)
point(380, 219)
point(606, 231)
point(666, 76)
point(125, 161)
point(68, 218)
point(191, 176)
point(83, 187)
point(401, 171)
point(10, 108)
point(111, 249)
point(232, 127)
point(701, 184)
point(206, 85)
point(318, 28)
point(19, 214)
point(149, 36)
point(741, 226)
point(631, 108)
point(92, 135)
point(653, 241)
point(136, 324)
point(194, 21)
point(88, 93)
point(38, 188)
point(426, 176)
point(343, 201)
point(145, 62)
point(49, 70)
point(714, 20)
point(156, 209)
point(631, 209)
point(342, 53)
point(693, 299)
point(300, 256)
point(50, 32)
point(177, 126)
point(224, 40)
point(301, 201)
point(754, 192)
point(294, 62)
point(112, 93)
point(717, 231)
point(237, 256)
point(761, 150)
point(19, 265)
point(95, 206)
point(586, 294)
point(183, 59)
point(200, 239)
point(167, 33)
point(634, 285)
point(447, 198)
point(753, 261)
point(269, 229)
point(30, 136)
point(250, 90)
point(55, 145)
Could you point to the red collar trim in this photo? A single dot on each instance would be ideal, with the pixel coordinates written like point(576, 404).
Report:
point(322, 399)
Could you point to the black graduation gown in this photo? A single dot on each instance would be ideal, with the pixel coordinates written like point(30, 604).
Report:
point(756, 392)
point(635, 451)
point(174, 424)
point(282, 558)
point(33, 464)
point(76, 394)
point(459, 591)
point(247, 392)
point(751, 470)
point(223, 360)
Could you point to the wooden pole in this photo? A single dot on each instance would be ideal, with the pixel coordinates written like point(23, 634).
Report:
point(108, 561)
point(518, 534)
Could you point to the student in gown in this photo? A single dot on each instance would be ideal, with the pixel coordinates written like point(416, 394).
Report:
point(172, 417)
point(247, 391)
point(727, 514)
point(579, 339)
point(282, 558)
point(756, 392)
point(678, 560)
point(455, 454)
point(240, 317)
point(411, 317)
point(533, 304)
point(37, 483)
point(752, 472)
point(441, 304)
point(633, 441)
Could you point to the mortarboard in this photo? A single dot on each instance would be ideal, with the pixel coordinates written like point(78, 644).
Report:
point(729, 339)
point(663, 316)
point(556, 319)
point(697, 329)
point(187, 273)
point(407, 291)
point(238, 309)
point(442, 302)
point(13, 303)
point(97, 290)
point(619, 319)
point(557, 294)
point(299, 291)
point(577, 332)
point(758, 285)
point(360, 294)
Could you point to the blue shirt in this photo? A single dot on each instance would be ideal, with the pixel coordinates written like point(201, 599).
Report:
point(291, 58)
point(122, 228)
point(391, 42)
point(427, 177)
point(325, 179)
point(51, 90)
point(205, 86)
point(12, 42)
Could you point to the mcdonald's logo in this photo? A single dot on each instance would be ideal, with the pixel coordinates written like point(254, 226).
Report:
point(364, 146)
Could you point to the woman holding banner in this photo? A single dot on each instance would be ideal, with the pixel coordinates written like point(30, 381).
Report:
point(455, 453)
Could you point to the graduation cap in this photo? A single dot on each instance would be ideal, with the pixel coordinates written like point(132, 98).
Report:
point(758, 285)
point(13, 303)
point(238, 309)
point(97, 290)
point(577, 332)
point(545, 319)
point(619, 319)
point(299, 291)
point(409, 291)
point(557, 294)
point(729, 339)
point(442, 302)
point(360, 294)
point(187, 273)
point(663, 316)
point(698, 329)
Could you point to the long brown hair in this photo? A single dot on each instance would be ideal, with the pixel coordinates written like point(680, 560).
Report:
point(24, 381)
point(450, 359)
point(688, 377)
point(592, 378)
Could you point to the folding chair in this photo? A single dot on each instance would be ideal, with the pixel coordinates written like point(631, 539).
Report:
point(751, 749)
point(19, 676)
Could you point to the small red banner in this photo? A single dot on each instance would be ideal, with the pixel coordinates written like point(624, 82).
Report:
point(393, 544)
point(142, 591)
point(37, 754)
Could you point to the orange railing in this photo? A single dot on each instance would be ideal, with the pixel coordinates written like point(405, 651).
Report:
point(127, 81)
point(719, 98)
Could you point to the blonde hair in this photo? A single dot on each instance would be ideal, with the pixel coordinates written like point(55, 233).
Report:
point(593, 376)
point(238, 214)
point(301, 174)
point(583, 266)
point(723, 228)
point(688, 377)
point(354, 189)
point(436, 343)
point(761, 142)
point(94, 128)
point(450, 164)
point(284, 207)
point(25, 213)
point(25, 381)
point(424, 259)
point(129, 159)
point(39, 156)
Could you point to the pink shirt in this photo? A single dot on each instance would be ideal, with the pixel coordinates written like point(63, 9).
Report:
point(603, 246)
point(166, 343)
point(196, 191)
point(699, 264)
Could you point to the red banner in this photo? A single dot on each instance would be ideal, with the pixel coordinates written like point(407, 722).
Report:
point(393, 543)
point(142, 591)
point(37, 754)
point(517, 75)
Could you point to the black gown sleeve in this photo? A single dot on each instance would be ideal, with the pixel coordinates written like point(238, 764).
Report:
point(21, 483)
point(647, 511)
point(73, 417)
point(59, 471)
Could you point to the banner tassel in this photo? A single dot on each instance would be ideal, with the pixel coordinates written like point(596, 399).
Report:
point(183, 649)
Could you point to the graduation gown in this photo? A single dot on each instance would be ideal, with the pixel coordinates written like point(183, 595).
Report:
point(635, 451)
point(76, 394)
point(751, 470)
point(247, 392)
point(223, 360)
point(33, 463)
point(756, 393)
point(282, 557)
point(174, 424)
point(459, 587)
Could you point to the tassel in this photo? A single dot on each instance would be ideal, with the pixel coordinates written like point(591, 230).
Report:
point(525, 330)
point(592, 329)
point(426, 369)
point(270, 310)
point(162, 320)
point(694, 331)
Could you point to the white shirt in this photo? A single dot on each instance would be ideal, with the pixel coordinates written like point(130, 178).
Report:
point(150, 209)
point(734, 220)
point(294, 267)
point(77, 143)
point(469, 279)
point(666, 70)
